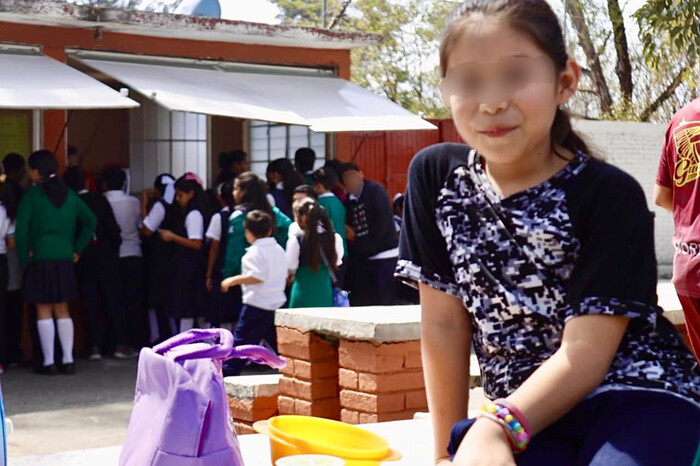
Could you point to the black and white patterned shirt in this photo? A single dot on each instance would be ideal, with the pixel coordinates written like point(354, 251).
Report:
point(580, 243)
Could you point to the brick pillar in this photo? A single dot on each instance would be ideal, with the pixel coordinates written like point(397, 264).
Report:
point(380, 381)
point(251, 399)
point(309, 386)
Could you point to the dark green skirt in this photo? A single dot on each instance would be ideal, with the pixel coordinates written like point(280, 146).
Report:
point(311, 289)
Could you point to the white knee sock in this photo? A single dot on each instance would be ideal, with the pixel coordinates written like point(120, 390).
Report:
point(153, 325)
point(47, 334)
point(186, 324)
point(65, 334)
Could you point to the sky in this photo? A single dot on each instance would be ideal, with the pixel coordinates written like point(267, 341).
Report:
point(257, 11)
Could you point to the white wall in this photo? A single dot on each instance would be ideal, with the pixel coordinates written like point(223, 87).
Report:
point(636, 148)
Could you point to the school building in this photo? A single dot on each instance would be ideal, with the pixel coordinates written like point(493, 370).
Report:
point(167, 93)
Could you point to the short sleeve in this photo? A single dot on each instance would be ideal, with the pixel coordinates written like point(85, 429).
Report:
point(664, 175)
point(615, 272)
point(155, 217)
point(11, 229)
point(253, 264)
point(271, 200)
point(423, 254)
point(339, 249)
point(292, 251)
point(194, 224)
point(214, 230)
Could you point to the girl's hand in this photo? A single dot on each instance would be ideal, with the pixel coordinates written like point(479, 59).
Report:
point(166, 235)
point(76, 257)
point(210, 284)
point(485, 444)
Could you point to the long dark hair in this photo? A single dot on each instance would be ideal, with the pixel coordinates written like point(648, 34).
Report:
point(46, 164)
point(290, 177)
point(534, 18)
point(186, 183)
point(254, 196)
point(225, 190)
point(316, 217)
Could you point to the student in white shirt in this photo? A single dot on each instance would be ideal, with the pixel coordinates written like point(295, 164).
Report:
point(263, 280)
point(127, 211)
point(7, 232)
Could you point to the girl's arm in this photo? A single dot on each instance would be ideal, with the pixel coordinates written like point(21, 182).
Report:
point(88, 224)
point(446, 335)
point(24, 216)
point(589, 344)
point(213, 254)
point(292, 252)
point(168, 236)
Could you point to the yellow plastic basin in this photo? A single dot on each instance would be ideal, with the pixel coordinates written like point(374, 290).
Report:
point(304, 435)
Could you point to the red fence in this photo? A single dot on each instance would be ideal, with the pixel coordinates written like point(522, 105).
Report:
point(385, 156)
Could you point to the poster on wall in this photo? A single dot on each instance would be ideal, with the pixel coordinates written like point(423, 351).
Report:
point(14, 134)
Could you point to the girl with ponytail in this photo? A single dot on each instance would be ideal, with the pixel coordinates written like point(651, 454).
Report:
point(541, 257)
point(312, 256)
point(53, 228)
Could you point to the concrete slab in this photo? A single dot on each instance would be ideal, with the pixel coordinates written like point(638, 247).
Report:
point(249, 387)
point(383, 324)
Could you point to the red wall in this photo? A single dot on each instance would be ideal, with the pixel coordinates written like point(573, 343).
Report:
point(385, 156)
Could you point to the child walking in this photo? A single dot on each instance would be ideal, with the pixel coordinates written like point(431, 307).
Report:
point(46, 243)
point(187, 299)
point(542, 257)
point(263, 279)
point(313, 255)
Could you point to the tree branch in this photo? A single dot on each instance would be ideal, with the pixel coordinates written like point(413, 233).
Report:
point(667, 93)
point(340, 14)
point(624, 66)
point(575, 11)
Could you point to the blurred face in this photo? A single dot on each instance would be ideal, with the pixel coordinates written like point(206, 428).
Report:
point(503, 91)
point(241, 167)
point(237, 192)
point(183, 198)
point(301, 220)
point(34, 175)
point(274, 177)
point(353, 181)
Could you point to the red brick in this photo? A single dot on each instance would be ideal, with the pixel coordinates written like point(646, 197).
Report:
point(328, 408)
point(289, 368)
point(349, 416)
point(368, 357)
point(243, 428)
point(303, 345)
point(386, 383)
point(285, 405)
point(367, 418)
point(413, 360)
point(416, 400)
point(370, 403)
point(316, 369)
point(347, 379)
point(317, 389)
point(253, 410)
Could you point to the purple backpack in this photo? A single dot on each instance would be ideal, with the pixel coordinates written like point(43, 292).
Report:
point(181, 415)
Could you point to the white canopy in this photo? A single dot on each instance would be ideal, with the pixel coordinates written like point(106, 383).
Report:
point(325, 103)
point(34, 81)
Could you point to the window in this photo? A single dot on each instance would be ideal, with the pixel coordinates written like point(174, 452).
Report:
point(270, 141)
point(166, 142)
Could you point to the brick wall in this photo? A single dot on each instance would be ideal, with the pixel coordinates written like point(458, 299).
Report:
point(636, 148)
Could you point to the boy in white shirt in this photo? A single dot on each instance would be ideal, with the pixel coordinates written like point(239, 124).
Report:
point(263, 281)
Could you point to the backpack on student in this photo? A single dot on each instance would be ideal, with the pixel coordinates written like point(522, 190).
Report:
point(181, 415)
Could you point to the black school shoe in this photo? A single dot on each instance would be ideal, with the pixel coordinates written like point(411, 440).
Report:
point(68, 369)
point(47, 370)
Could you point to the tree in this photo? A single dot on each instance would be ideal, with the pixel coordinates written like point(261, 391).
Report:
point(163, 6)
point(623, 80)
point(403, 67)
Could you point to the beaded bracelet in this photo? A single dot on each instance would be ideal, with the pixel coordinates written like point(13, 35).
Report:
point(513, 420)
point(510, 435)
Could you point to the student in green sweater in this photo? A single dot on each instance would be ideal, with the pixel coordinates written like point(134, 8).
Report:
point(48, 217)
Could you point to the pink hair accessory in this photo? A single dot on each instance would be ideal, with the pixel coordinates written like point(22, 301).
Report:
point(189, 176)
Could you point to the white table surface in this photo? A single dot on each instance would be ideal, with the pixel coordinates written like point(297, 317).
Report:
point(412, 438)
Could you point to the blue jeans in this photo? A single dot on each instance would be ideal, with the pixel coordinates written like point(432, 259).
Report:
point(615, 428)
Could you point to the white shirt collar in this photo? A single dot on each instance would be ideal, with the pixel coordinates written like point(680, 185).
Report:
point(280, 185)
point(115, 192)
point(329, 194)
point(83, 191)
point(264, 241)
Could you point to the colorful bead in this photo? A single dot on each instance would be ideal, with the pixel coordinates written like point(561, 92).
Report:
point(508, 418)
point(491, 409)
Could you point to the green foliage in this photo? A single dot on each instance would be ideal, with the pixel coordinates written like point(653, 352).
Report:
point(669, 26)
point(404, 67)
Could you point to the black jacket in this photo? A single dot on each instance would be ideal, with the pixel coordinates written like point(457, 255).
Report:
point(372, 218)
point(103, 251)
